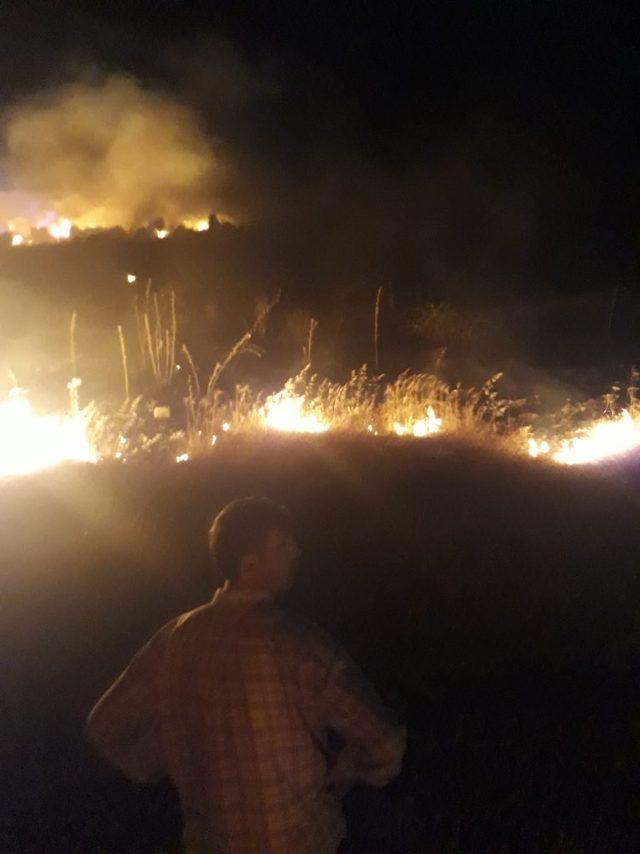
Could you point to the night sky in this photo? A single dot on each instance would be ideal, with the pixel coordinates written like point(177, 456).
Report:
point(478, 147)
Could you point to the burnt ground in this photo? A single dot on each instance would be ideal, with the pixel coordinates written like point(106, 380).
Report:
point(493, 601)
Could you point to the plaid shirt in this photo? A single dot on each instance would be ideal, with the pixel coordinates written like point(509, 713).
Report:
point(240, 705)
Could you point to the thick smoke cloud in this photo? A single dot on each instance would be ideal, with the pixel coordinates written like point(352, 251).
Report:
point(111, 154)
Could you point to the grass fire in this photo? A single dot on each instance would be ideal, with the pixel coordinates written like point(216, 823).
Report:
point(414, 405)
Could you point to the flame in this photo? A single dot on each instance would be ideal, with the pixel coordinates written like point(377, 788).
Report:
point(131, 278)
point(31, 442)
point(17, 240)
point(424, 427)
point(285, 411)
point(602, 439)
point(161, 233)
point(61, 230)
point(201, 224)
point(537, 449)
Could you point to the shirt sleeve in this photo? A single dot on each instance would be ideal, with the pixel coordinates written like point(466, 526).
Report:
point(124, 725)
point(338, 697)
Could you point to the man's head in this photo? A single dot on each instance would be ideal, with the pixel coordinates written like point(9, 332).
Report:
point(252, 544)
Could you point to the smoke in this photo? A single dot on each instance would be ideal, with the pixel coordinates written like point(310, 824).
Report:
point(110, 154)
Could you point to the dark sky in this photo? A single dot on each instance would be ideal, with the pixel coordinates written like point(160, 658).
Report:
point(478, 146)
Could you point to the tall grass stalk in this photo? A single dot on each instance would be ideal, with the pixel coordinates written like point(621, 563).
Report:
point(157, 328)
point(313, 325)
point(140, 330)
point(123, 356)
point(206, 412)
point(376, 329)
point(72, 344)
point(242, 345)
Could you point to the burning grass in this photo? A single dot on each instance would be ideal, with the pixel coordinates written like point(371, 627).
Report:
point(202, 414)
point(416, 406)
point(29, 442)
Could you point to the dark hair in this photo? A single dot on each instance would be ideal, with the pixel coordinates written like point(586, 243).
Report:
point(242, 527)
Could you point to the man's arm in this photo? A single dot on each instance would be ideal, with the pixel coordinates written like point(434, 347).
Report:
point(340, 697)
point(124, 725)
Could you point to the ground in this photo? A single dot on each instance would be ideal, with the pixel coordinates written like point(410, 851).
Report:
point(493, 601)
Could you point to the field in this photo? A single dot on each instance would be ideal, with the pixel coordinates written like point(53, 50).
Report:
point(492, 599)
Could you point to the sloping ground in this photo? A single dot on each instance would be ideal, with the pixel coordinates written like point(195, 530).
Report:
point(493, 601)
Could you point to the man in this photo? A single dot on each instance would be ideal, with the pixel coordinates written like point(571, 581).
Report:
point(261, 720)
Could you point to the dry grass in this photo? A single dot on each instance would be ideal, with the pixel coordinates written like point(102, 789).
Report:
point(206, 412)
point(475, 413)
point(366, 403)
point(157, 329)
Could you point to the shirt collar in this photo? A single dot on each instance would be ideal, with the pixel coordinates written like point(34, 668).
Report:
point(231, 595)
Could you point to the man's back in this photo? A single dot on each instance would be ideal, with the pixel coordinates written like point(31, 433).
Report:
point(235, 701)
point(244, 760)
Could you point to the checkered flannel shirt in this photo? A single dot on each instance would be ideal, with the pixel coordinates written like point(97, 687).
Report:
point(239, 704)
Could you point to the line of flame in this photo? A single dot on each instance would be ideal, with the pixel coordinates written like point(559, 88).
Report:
point(599, 441)
point(62, 229)
point(29, 442)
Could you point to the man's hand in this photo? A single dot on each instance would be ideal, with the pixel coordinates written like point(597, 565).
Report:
point(355, 763)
